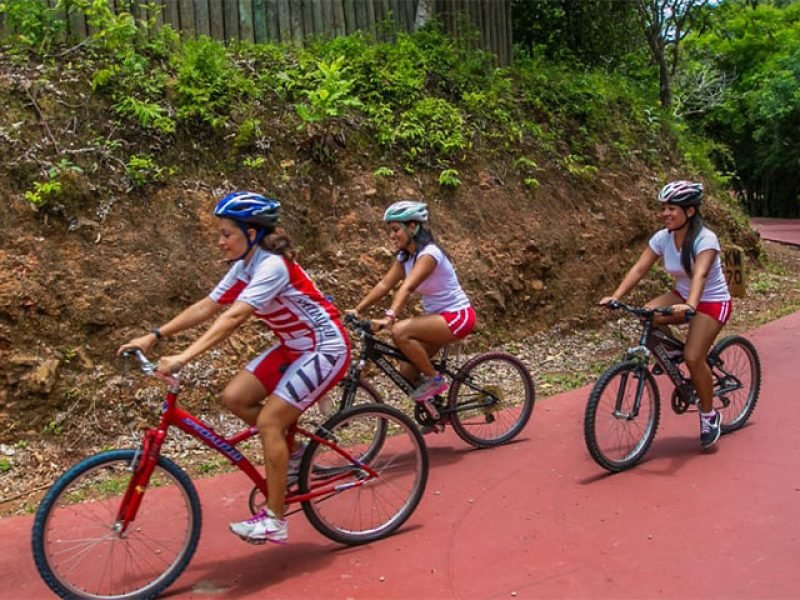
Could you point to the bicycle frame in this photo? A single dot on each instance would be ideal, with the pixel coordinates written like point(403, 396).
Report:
point(173, 416)
point(651, 344)
point(378, 352)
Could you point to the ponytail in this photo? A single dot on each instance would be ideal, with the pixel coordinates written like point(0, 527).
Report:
point(278, 242)
point(693, 230)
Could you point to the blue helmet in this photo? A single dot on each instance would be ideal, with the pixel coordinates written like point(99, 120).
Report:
point(249, 208)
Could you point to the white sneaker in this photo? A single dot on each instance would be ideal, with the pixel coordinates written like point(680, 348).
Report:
point(262, 527)
point(295, 457)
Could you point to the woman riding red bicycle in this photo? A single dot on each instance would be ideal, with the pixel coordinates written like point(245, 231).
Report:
point(690, 252)
point(311, 356)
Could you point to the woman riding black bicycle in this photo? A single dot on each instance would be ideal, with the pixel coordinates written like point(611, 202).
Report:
point(311, 356)
point(690, 253)
point(424, 267)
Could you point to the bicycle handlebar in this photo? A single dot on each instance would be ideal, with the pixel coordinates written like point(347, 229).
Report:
point(643, 311)
point(355, 323)
point(146, 364)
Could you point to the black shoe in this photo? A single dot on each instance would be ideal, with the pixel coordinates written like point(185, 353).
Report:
point(710, 429)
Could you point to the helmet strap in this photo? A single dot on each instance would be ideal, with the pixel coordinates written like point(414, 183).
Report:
point(260, 233)
point(685, 222)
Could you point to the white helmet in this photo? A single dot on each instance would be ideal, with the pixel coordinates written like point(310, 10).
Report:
point(407, 210)
point(682, 193)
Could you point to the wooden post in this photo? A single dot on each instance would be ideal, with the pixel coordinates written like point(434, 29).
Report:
point(339, 19)
point(318, 17)
point(246, 31)
point(231, 13)
point(273, 32)
point(733, 260)
point(284, 22)
point(296, 21)
point(172, 14)
point(306, 18)
point(370, 6)
point(350, 24)
point(260, 21)
point(216, 19)
point(159, 14)
point(328, 18)
point(202, 23)
point(187, 18)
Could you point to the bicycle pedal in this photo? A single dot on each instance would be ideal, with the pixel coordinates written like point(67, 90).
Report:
point(431, 409)
point(252, 541)
point(436, 428)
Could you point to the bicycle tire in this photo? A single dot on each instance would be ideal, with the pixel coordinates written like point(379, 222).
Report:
point(626, 449)
point(735, 357)
point(357, 514)
point(73, 529)
point(366, 393)
point(500, 421)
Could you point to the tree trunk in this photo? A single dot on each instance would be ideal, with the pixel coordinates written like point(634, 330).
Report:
point(664, 82)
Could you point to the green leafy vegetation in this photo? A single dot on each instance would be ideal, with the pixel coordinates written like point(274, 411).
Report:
point(449, 178)
point(583, 93)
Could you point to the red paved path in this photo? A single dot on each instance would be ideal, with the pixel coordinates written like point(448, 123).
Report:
point(538, 519)
point(786, 231)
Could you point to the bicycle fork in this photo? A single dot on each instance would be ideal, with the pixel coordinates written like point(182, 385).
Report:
point(637, 402)
point(142, 466)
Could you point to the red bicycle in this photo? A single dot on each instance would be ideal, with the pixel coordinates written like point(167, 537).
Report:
point(125, 523)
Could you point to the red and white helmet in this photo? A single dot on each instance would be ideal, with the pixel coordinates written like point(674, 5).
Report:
point(682, 193)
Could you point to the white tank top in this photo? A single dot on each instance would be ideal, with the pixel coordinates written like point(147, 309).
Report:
point(663, 244)
point(441, 292)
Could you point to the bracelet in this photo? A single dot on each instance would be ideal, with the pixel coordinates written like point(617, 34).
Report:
point(692, 306)
point(156, 332)
point(390, 314)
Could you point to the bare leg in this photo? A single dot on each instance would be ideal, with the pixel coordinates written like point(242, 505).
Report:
point(417, 335)
point(411, 372)
point(274, 419)
point(703, 331)
point(243, 396)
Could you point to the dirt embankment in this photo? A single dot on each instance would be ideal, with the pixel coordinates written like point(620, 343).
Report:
point(109, 260)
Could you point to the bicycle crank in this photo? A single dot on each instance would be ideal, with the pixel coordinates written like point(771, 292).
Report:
point(679, 403)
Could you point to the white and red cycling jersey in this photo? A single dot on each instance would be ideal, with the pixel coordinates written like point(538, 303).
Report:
point(313, 352)
point(284, 297)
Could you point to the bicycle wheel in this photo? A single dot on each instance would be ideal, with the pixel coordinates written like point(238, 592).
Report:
point(616, 437)
point(80, 555)
point(359, 509)
point(736, 370)
point(365, 394)
point(491, 399)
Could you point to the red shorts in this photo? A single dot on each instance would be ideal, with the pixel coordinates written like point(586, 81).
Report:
point(300, 378)
point(720, 311)
point(460, 322)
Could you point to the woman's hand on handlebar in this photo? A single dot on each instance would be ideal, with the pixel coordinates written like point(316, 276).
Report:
point(683, 310)
point(144, 343)
point(380, 324)
point(607, 300)
point(169, 365)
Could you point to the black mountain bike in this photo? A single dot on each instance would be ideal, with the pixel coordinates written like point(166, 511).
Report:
point(623, 410)
point(489, 401)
